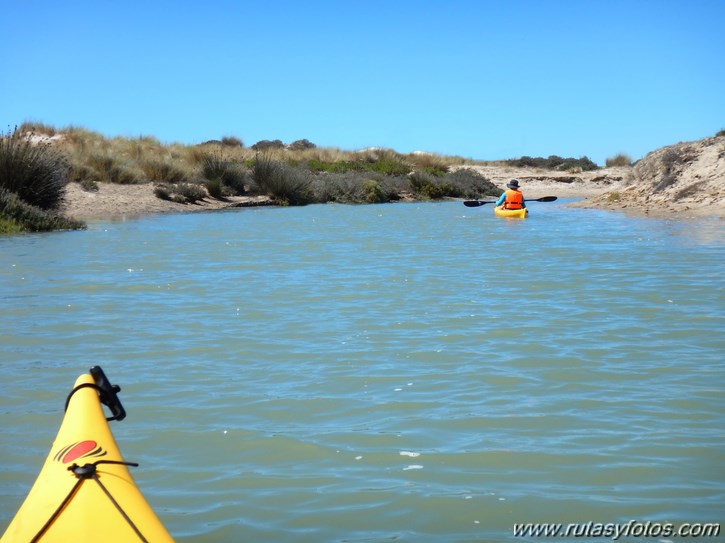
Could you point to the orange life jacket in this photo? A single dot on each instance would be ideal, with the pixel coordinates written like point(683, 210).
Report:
point(514, 200)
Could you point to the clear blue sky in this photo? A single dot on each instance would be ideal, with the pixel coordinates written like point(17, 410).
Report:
point(484, 80)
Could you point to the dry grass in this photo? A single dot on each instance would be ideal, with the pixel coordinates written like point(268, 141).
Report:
point(94, 154)
point(296, 173)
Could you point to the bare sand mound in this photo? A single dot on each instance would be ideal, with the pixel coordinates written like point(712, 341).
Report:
point(538, 182)
point(685, 179)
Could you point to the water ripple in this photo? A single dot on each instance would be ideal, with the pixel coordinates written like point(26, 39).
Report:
point(410, 372)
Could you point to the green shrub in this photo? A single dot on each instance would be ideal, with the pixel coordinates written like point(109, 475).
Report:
point(553, 162)
point(213, 165)
point(236, 180)
point(384, 161)
point(433, 188)
point(17, 215)
point(37, 173)
point(472, 184)
point(287, 185)
point(9, 226)
point(266, 145)
point(389, 166)
point(301, 145)
point(374, 193)
point(163, 192)
point(333, 188)
point(424, 184)
point(232, 141)
point(215, 188)
point(437, 170)
point(190, 192)
point(619, 160)
point(385, 166)
point(720, 133)
point(351, 187)
point(182, 193)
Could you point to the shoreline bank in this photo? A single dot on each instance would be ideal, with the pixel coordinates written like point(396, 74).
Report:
point(117, 202)
point(612, 189)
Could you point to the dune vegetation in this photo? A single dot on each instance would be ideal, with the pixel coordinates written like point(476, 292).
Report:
point(37, 161)
point(32, 185)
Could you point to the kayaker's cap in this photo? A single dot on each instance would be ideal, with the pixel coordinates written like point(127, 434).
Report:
point(513, 184)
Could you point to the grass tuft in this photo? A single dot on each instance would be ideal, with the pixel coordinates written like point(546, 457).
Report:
point(36, 172)
point(108, 168)
point(224, 176)
point(17, 215)
point(163, 171)
point(289, 186)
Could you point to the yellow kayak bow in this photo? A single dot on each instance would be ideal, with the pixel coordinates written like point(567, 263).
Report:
point(84, 491)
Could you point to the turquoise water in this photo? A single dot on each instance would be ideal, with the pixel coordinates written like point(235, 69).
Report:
point(406, 372)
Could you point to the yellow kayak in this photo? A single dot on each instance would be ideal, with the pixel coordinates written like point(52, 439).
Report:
point(511, 213)
point(84, 491)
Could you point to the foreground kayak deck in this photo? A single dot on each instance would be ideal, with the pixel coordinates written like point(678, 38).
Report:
point(84, 491)
point(511, 213)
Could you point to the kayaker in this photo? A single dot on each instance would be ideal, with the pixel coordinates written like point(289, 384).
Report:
point(512, 198)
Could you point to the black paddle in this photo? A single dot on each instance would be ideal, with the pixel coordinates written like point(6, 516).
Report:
point(477, 203)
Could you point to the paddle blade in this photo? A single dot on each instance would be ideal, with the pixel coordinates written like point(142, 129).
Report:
point(476, 203)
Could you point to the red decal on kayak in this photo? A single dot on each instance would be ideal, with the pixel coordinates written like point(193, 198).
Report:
point(79, 450)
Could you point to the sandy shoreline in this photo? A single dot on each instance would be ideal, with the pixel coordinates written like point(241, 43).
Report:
point(118, 202)
point(686, 179)
point(536, 183)
point(611, 189)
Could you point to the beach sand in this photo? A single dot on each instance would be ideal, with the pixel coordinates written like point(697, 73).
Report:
point(117, 202)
